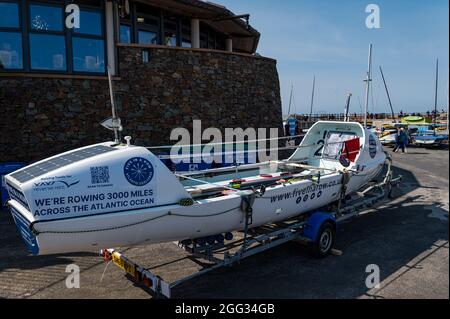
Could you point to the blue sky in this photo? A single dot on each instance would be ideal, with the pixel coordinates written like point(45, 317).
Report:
point(329, 39)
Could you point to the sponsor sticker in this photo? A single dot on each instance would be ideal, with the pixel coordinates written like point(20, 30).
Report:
point(138, 171)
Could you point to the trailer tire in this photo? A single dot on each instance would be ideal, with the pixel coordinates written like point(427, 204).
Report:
point(325, 240)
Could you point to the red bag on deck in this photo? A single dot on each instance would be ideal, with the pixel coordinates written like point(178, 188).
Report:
point(351, 149)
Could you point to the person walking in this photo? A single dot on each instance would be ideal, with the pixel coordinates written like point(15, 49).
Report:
point(401, 141)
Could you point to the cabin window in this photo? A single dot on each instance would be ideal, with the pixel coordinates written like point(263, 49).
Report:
point(35, 38)
point(11, 56)
point(335, 142)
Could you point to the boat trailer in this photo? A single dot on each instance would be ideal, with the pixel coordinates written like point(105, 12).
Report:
point(315, 230)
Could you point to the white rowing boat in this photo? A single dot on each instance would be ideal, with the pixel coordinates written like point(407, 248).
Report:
point(112, 195)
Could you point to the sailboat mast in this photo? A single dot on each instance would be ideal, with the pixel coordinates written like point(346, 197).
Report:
point(388, 95)
point(290, 100)
point(448, 72)
point(368, 79)
point(312, 97)
point(436, 95)
point(347, 108)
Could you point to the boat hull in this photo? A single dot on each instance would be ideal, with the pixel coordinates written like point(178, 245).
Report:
point(176, 223)
point(110, 196)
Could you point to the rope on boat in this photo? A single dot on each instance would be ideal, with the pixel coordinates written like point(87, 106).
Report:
point(204, 182)
point(344, 183)
point(36, 233)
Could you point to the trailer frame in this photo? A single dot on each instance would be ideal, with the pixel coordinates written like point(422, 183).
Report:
point(255, 240)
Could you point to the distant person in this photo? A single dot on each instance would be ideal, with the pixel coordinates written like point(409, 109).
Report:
point(298, 132)
point(287, 129)
point(401, 141)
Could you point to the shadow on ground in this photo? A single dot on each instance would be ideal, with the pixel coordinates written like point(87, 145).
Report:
point(389, 238)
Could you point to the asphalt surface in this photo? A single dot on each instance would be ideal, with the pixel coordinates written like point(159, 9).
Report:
point(406, 238)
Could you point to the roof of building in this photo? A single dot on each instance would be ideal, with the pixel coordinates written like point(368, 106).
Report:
point(245, 37)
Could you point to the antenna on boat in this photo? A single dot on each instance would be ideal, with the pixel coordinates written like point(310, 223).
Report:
point(312, 97)
point(436, 96)
point(388, 95)
point(368, 80)
point(347, 108)
point(114, 122)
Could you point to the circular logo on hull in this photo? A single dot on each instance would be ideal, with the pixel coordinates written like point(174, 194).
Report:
point(372, 146)
point(138, 171)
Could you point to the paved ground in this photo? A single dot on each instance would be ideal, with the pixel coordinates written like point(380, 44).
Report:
point(407, 239)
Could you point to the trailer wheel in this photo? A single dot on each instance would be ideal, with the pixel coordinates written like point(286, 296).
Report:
point(325, 240)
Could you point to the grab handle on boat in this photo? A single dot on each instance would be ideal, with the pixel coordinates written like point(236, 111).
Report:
point(128, 140)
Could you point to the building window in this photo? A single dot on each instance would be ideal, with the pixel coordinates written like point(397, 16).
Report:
point(47, 39)
point(147, 24)
point(11, 57)
point(125, 33)
point(46, 18)
point(10, 50)
point(211, 39)
point(203, 39)
point(147, 37)
point(33, 37)
point(90, 23)
point(88, 43)
point(171, 30)
point(88, 55)
point(186, 41)
point(9, 15)
point(144, 24)
point(48, 52)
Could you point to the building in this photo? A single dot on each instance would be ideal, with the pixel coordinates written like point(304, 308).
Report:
point(173, 61)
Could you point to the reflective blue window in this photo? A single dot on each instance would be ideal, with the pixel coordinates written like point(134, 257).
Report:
point(125, 34)
point(186, 44)
point(48, 52)
point(90, 23)
point(46, 18)
point(147, 37)
point(88, 55)
point(11, 50)
point(9, 15)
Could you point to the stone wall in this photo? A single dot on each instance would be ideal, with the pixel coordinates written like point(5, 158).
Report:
point(43, 116)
